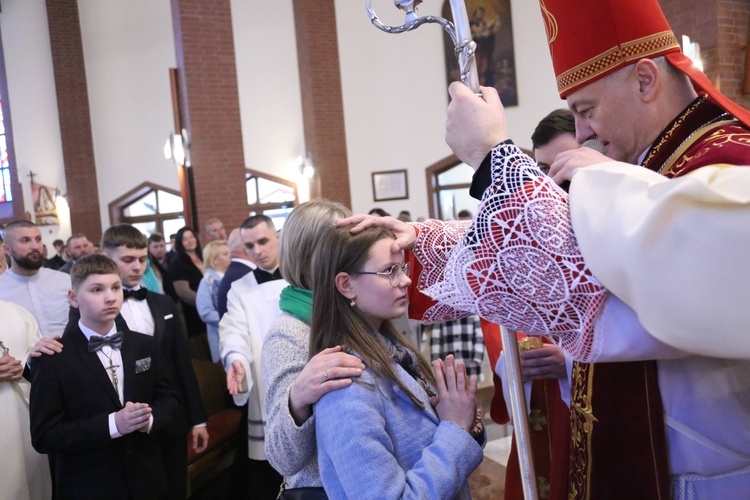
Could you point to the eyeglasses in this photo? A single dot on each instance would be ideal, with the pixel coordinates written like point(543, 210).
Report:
point(394, 273)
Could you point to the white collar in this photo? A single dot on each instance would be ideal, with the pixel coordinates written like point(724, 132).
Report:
point(88, 332)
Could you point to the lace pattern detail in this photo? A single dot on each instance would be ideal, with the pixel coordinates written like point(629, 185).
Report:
point(517, 263)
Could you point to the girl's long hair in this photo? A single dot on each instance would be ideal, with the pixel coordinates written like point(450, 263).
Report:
point(335, 322)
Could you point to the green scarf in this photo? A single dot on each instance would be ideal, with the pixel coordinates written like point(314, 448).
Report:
point(297, 301)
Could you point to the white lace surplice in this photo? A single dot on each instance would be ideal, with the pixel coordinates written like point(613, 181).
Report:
point(517, 263)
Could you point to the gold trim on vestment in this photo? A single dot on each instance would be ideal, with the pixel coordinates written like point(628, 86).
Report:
point(647, 46)
point(669, 133)
point(582, 426)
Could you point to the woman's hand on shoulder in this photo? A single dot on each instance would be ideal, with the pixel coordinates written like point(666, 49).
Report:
point(457, 393)
point(327, 371)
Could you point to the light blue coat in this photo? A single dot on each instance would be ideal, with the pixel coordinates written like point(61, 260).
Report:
point(373, 442)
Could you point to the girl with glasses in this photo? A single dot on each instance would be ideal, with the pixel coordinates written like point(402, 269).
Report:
point(398, 430)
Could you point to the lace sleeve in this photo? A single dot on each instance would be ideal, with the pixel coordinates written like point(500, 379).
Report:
point(517, 264)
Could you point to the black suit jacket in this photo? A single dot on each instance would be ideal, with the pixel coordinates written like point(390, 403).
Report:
point(235, 271)
point(71, 399)
point(169, 333)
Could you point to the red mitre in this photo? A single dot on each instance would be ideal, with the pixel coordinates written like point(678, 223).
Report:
point(589, 39)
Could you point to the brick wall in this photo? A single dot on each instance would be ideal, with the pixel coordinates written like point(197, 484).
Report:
point(210, 110)
point(721, 28)
point(75, 119)
point(322, 103)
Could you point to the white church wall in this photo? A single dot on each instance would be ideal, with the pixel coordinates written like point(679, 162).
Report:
point(128, 48)
point(394, 92)
point(33, 103)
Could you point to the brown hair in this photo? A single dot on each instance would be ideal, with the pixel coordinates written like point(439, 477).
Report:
point(335, 322)
point(87, 265)
point(123, 235)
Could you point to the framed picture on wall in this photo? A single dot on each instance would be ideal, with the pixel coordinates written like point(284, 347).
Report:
point(390, 185)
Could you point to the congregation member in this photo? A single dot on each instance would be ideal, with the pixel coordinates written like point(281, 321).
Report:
point(24, 473)
point(99, 406)
point(291, 378)
point(260, 239)
point(396, 444)
point(41, 291)
point(186, 271)
point(77, 246)
point(155, 315)
point(159, 266)
point(58, 260)
point(172, 253)
point(252, 305)
point(216, 259)
point(554, 134)
point(240, 265)
point(653, 109)
point(215, 230)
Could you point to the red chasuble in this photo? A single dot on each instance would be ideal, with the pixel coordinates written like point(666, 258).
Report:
point(549, 429)
point(616, 408)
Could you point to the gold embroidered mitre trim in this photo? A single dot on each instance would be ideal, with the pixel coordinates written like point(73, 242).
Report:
point(614, 57)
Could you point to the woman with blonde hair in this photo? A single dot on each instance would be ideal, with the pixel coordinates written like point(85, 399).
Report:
point(216, 259)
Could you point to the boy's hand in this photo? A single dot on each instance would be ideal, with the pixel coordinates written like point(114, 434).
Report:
point(10, 367)
point(133, 417)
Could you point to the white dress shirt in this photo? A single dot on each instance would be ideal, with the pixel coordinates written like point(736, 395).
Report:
point(111, 360)
point(44, 295)
point(137, 315)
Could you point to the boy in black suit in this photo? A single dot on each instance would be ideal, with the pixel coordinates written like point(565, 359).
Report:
point(156, 314)
point(98, 405)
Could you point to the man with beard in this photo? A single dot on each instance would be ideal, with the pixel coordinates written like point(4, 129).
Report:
point(41, 291)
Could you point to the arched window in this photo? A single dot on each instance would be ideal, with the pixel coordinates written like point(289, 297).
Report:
point(11, 197)
point(448, 184)
point(271, 196)
point(150, 208)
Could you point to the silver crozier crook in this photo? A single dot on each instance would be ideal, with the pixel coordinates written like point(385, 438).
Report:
point(460, 34)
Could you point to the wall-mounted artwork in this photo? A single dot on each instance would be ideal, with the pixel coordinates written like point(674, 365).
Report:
point(45, 209)
point(390, 185)
point(492, 30)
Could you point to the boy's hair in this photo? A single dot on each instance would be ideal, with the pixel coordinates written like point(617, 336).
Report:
point(95, 263)
point(155, 238)
point(558, 122)
point(123, 235)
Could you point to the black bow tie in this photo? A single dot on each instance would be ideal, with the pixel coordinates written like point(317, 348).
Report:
point(96, 342)
point(139, 294)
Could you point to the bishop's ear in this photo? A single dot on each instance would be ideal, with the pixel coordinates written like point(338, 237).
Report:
point(649, 78)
